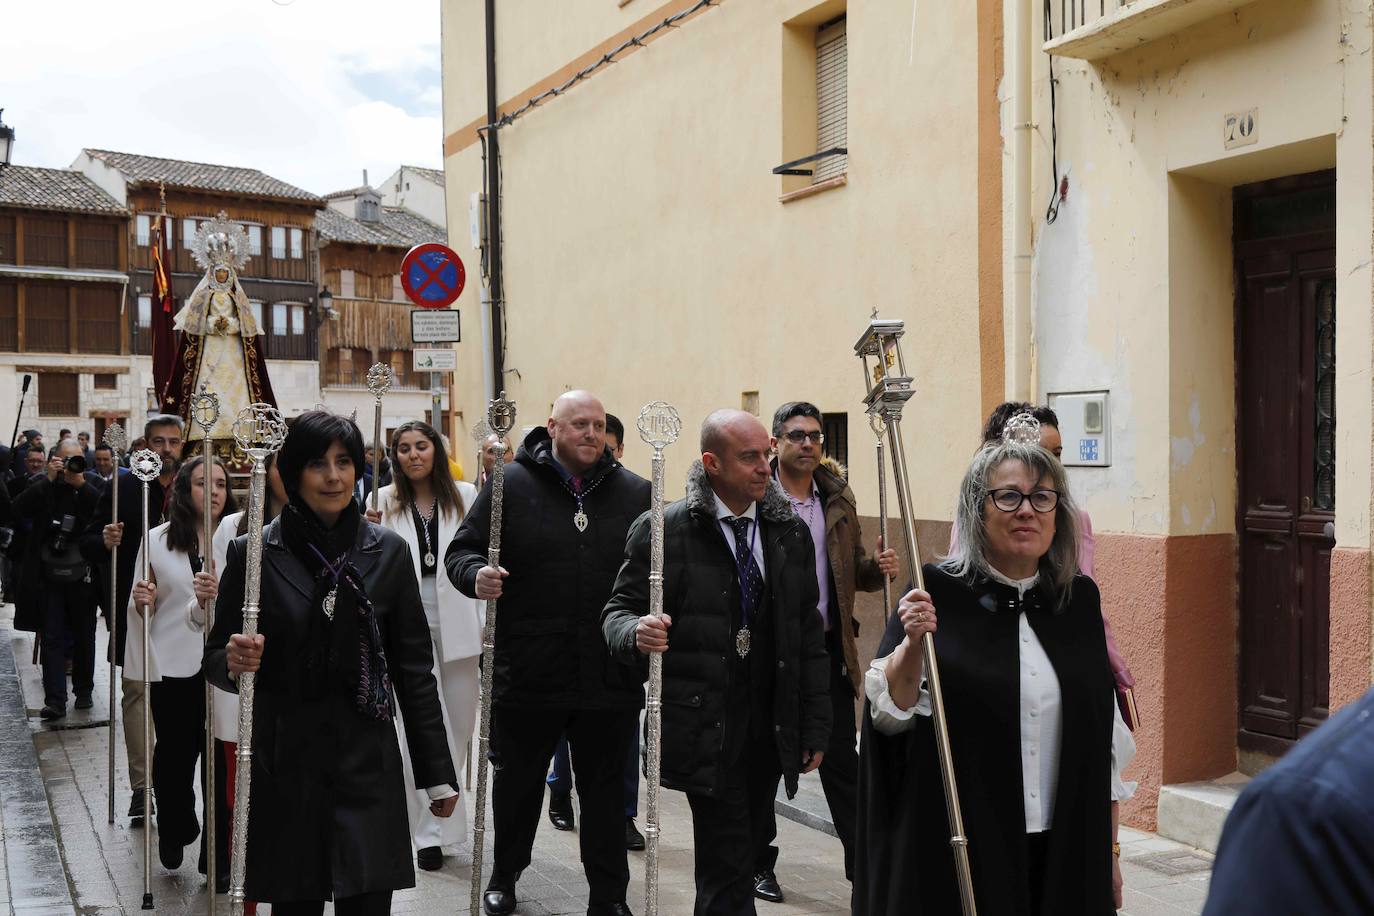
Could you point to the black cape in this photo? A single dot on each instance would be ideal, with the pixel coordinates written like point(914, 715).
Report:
point(904, 864)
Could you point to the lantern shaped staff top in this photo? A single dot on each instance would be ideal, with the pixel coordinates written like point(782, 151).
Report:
point(885, 375)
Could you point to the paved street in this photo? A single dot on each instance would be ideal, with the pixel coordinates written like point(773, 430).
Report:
point(103, 864)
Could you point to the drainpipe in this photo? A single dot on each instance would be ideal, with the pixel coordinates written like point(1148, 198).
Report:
point(495, 283)
point(1022, 53)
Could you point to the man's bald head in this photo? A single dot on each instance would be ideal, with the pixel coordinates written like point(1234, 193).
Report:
point(718, 429)
point(577, 426)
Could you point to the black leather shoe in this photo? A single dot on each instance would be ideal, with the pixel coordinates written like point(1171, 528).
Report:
point(498, 901)
point(222, 882)
point(136, 808)
point(84, 702)
point(431, 858)
point(169, 852)
point(634, 840)
point(610, 909)
point(766, 887)
point(561, 811)
point(49, 713)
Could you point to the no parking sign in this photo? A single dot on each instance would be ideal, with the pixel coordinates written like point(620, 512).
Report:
point(432, 275)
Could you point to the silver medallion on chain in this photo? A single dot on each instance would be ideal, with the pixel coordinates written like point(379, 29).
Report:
point(426, 518)
point(580, 519)
point(329, 601)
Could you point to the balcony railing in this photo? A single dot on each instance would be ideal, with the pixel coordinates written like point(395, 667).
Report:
point(1094, 29)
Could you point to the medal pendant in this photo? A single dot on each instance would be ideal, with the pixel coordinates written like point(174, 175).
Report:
point(429, 559)
point(742, 642)
point(580, 520)
point(329, 601)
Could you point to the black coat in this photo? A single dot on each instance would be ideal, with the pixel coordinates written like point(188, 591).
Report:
point(903, 862)
point(41, 503)
point(328, 810)
point(93, 544)
point(549, 652)
point(701, 595)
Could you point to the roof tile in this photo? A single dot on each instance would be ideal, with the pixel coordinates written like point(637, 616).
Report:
point(54, 189)
point(200, 176)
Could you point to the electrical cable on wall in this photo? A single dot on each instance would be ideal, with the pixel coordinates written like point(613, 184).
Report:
point(1056, 193)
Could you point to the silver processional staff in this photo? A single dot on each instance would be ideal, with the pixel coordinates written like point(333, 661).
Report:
point(147, 467)
point(888, 389)
point(659, 426)
point(501, 419)
point(205, 411)
point(118, 440)
point(259, 430)
point(379, 379)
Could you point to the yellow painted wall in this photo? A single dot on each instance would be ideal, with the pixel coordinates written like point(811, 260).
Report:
point(1133, 282)
point(648, 255)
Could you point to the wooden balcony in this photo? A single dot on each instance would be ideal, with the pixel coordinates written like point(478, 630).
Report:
point(1096, 29)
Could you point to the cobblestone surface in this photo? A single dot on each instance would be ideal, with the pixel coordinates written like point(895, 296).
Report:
point(104, 862)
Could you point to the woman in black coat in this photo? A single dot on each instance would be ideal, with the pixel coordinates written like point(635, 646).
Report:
point(342, 640)
point(1036, 738)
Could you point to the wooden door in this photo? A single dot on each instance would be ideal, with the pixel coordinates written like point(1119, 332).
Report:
point(1286, 327)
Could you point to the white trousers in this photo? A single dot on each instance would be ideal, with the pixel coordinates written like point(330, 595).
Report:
point(458, 694)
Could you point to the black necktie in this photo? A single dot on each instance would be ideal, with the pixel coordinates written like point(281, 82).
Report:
point(750, 577)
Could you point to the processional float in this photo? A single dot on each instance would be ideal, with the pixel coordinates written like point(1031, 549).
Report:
point(888, 388)
point(147, 467)
point(118, 440)
point(659, 426)
point(501, 419)
point(205, 413)
point(259, 430)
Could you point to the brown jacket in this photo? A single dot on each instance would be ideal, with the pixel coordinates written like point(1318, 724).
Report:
point(851, 568)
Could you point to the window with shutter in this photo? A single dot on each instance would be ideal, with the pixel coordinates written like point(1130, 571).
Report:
point(832, 99)
point(279, 242)
point(143, 229)
point(57, 394)
point(346, 284)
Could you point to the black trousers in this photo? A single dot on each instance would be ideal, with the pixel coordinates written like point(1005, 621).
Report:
point(68, 612)
point(374, 904)
point(178, 706)
point(522, 741)
point(839, 770)
point(729, 826)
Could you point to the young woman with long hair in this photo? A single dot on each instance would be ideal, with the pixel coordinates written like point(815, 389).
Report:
point(342, 646)
point(179, 585)
point(425, 506)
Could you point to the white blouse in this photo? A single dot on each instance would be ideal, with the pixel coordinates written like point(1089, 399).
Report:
point(175, 644)
point(1041, 724)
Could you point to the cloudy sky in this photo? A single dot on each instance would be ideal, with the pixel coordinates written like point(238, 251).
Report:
point(309, 91)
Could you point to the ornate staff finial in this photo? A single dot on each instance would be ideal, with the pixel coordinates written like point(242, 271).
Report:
point(260, 430)
point(501, 415)
point(146, 465)
point(379, 379)
point(115, 437)
point(480, 431)
point(205, 409)
point(659, 425)
point(1022, 428)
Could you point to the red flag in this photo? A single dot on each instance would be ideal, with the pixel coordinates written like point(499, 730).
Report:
point(164, 342)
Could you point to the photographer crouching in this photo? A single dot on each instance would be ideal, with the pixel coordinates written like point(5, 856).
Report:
point(57, 593)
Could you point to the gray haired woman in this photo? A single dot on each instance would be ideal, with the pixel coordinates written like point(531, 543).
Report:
point(1037, 741)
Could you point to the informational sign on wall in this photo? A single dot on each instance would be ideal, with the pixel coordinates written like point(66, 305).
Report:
point(435, 360)
point(435, 326)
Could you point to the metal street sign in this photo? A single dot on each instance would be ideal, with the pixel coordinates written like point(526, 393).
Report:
point(435, 326)
point(432, 275)
point(435, 360)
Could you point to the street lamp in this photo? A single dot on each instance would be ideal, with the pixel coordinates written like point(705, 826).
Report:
point(325, 306)
point(6, 141)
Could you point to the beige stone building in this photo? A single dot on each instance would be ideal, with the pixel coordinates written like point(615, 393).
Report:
point(1196, 304)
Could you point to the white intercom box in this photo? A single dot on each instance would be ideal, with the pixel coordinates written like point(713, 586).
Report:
point(1085, 423)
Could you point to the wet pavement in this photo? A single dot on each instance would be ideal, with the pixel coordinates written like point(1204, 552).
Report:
point(61, 855)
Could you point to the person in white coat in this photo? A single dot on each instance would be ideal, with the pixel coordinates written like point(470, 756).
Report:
point(177, 587)
point(426, 506)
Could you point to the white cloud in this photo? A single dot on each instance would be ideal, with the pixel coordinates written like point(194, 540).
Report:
point(309, 91)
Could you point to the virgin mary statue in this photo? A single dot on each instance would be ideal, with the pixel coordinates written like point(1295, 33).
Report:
point(218, 342)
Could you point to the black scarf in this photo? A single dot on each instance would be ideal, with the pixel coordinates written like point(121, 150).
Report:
point(345, 649)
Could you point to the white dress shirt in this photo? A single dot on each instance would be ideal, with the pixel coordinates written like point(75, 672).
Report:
point(175, 644)
point(724, 517)
point(1040, 720)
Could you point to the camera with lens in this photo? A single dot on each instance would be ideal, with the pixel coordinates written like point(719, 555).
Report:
point(60, 533)
point(76, 464)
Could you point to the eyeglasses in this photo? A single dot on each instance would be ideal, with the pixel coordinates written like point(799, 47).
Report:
point(1041, 501)
point(798, 436)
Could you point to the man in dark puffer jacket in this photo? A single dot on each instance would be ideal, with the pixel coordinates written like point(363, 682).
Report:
point(567, 507)
point(745, 674)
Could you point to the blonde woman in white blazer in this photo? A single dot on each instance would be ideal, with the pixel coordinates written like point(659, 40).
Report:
point(425, 506)
point(177, 586)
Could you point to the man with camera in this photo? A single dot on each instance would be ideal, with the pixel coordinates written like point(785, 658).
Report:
point(57, 594)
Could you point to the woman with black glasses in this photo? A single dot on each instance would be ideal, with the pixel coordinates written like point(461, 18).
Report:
point(1037, 741)
point(343, 643)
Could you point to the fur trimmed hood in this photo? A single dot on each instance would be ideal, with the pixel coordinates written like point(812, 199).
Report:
point(701, 499)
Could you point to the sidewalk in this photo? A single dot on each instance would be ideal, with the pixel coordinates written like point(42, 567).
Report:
point(62, 856)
